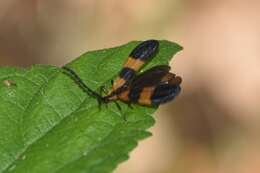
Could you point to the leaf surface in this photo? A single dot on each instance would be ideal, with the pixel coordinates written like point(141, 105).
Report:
point(49, 125)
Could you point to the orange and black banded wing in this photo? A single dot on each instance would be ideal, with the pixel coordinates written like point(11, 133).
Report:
point(164, 87)
point(141, 54)
point(151, 77)
point(164, 92)
point(137, 58)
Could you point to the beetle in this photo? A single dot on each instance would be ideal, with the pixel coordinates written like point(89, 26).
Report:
point(140, 55)
point(153, 87)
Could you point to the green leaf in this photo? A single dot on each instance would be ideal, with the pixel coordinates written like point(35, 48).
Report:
point(49, 125)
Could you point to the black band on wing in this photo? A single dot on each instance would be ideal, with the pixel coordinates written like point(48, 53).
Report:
point(134, 94)
point(151, 77)
point(165, 93)
point(145, 50)
point(127, 74)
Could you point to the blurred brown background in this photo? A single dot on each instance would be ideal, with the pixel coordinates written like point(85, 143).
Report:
point(213, 126)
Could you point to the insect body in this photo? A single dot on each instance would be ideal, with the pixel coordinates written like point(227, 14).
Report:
point(151, 88)
point(137, 58)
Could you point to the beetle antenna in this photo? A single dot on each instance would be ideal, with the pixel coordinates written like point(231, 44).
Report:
point(73, 75)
